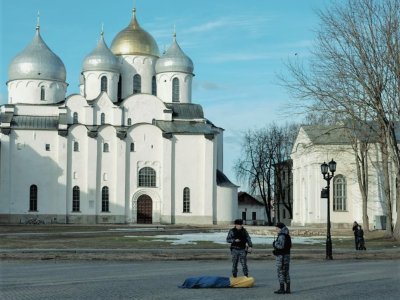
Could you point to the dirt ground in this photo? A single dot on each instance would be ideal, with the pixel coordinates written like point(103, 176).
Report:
point(66, 242)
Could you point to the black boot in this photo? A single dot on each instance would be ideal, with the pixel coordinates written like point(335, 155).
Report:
point(281, 289)
point(287, 291)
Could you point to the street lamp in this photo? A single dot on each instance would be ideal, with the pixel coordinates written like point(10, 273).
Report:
point(325, 193)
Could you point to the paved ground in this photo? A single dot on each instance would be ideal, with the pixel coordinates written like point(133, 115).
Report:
point(153, 280)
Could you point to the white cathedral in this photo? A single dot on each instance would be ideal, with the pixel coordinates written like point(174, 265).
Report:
point(130, 148)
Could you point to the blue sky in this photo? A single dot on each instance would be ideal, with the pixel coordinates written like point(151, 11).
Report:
point(237, 48)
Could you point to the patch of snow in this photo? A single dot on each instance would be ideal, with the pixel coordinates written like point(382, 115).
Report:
point(220, 238)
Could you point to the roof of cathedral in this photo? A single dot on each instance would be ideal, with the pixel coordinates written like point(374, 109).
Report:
point(35, 122)
point(342, 134)
point(37, 61)
point(222, 180)
point(174, 60)
point(184, 127)
point(101, 58)
point(186, 110)
point(133, 40)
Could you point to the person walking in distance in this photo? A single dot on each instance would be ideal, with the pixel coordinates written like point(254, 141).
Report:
point(282, 246)
point(355, 227)
point(241, 244)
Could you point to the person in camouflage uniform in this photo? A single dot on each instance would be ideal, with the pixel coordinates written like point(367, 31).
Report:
point(282, 247)
point(241, 244)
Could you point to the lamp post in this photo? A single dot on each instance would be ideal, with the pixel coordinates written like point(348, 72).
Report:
point(325, 168)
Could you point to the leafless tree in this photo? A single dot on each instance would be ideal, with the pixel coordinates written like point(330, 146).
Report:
point(263, 151)
point(354, 73)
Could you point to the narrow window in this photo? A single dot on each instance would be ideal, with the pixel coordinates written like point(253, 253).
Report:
point(75, 118)
point(339, 193)
point(132, 147)
point(186, 200)
point(102, 119)
point(105, 204)
point(154, 86)
point(76, 198)
point(33, 197)
point(47, 147)
point(129, 121)
point(42, 93)
point(106, 147)
point(137, 84)
point(119, 88)
point(76, 146)
point(254, 216)
point(175, 90)
point(104, 84)
point(147, 177)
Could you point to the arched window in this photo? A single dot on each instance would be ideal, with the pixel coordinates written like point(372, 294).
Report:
point(75, 118)
point(33, 198)
point(339, 193)
point(129, 121)
point(42, 93)
point(137, 84)
point(106, 148)
point(76, 198)
point(104, 84)
point(132, 147)
point(154, 86)
point(76, 146)
point(147, 177)
point(102, 119)
point(175, 90)
point(186, 200)
point(105, 202)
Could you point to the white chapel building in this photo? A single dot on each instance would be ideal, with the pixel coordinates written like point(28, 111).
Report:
point(130, 148)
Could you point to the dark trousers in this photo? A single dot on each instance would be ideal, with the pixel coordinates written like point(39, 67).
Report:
point(239, 255)
point(282, 263)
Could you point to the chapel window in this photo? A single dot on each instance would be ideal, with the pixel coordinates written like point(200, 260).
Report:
point(129, 121)
point(105, 202)
point(186, 200)
point(33, 197)
point(132, 147)
point(175, 90)
point(76, 146)
point(137, 84)
point(106, 147)
point(75, 118)
point(104, 84)
point(154, 86)
point(339, 193)
point(42, 93)
point(102, 119)
point(147, 177)
point(76, 198)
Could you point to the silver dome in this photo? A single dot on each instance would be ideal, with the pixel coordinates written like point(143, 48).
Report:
point(37, 61)
point(174, 60)
point(101, 59)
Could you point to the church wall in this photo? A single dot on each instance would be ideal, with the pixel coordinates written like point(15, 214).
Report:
point(143, 109)
point(138, 64)
point(196, 176)
point(29, 91)
point(164, 86)
point(227, 205)
point(93, 84)
point(39, 167)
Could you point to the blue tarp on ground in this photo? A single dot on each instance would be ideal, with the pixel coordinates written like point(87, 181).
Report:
point(206, 282)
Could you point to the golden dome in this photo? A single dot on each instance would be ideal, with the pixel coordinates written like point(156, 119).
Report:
point(133, 40)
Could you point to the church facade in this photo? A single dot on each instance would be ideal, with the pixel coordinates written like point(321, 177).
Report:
point(316, 144)
point(131, 147)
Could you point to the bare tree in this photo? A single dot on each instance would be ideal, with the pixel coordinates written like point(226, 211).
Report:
point(354, 73)
point(263, 151)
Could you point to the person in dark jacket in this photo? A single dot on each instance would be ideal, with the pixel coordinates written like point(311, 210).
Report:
point(241, 244)
point(360, 238)
point(355, 226)
point(282, 246)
